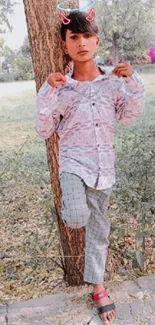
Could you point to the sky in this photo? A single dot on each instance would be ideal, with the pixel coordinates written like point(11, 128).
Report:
point(15, 38)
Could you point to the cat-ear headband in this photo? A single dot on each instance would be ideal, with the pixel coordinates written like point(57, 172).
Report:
point(61, 7)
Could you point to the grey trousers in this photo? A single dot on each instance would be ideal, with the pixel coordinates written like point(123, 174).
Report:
point(83, 206)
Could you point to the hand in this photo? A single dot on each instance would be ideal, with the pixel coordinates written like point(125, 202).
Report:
point(123, 70)
point(56, 79)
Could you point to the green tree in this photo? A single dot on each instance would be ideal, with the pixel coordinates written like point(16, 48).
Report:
point(25, 48)
point(22, 63)
point(125, 26)
point(6, 8)
point(20, 60)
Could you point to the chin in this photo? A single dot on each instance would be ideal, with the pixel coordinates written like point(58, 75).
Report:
point(83, 59)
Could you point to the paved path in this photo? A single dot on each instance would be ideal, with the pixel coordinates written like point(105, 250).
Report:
point(15, 88)
point(135, 303)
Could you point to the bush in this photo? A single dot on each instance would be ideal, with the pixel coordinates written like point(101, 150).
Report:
point(15, 76)
point(145, 68)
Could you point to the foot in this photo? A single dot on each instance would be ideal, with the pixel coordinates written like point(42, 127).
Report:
point(109, 316)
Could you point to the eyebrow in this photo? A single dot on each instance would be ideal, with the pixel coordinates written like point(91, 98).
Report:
point(79, 33)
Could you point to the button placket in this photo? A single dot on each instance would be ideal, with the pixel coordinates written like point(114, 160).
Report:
point(96, 125)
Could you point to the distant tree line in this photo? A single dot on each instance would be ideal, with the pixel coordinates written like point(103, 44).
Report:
point(17, 64)
point(14, 64)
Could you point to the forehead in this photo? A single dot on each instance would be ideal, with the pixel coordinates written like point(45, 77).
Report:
point(69, 32)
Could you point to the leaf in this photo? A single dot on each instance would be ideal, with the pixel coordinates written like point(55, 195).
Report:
point(138, 260)
point(114, 206)
point(139, 239)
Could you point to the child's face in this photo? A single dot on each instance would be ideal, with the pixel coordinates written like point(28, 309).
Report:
point(81, 47)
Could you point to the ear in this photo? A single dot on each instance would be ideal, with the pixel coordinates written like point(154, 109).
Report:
point(64, 46)
point(97, 41)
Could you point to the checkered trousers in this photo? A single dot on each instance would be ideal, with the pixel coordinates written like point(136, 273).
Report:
point(83, 206)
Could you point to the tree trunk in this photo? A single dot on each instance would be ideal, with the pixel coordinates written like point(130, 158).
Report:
point(115, 48)
point(44, 34)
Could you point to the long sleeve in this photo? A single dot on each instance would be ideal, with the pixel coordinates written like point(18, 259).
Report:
point(130, 100)
point(48, 111)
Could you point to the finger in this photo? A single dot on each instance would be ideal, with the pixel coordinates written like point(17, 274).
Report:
point(63, 84)
point(127, 70)
point(60, 76)
point(58, 83)
point(121, 65)
point(61, 81)
point(124, 66)
point(123, 72)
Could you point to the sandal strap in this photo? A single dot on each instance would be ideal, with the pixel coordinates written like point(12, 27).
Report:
point(100, 295)
point(105, 309)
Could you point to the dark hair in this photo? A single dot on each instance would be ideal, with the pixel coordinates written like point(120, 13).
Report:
point(78, 25)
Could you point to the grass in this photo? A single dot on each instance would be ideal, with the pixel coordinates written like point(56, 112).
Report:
point(27, 220)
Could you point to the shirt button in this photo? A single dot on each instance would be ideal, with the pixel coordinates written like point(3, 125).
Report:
point(98, 146)
point(96, 124)
point(93, 104)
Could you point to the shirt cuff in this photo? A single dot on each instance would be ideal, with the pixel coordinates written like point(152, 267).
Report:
point(135, 78)
point(134, 83)
point(47, 89)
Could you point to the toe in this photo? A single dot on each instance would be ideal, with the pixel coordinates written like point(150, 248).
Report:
point(105, 317)
point(114, 314)
point(108, 317)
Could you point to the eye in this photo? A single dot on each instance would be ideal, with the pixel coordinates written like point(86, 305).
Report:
point(87, 35)
point(74, 37)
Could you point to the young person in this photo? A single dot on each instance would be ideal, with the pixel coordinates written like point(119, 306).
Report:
point(83, 108)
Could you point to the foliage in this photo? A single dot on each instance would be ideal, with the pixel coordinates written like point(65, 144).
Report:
point(152, 54)
point(17, 64)
point(23, 67)
point(16, 76)
point(6, 8)
point(125, 26)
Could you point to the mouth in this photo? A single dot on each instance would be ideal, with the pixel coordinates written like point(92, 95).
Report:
point(83, 52)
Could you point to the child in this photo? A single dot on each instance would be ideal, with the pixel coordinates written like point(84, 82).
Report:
point(83, 108)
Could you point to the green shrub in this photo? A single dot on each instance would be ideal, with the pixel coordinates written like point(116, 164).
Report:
point(16, 76)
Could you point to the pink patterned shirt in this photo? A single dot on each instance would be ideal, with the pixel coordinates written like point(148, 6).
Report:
point(84, 113)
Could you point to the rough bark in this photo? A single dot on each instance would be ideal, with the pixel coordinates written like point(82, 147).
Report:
point(115, 47)
point(43, 28)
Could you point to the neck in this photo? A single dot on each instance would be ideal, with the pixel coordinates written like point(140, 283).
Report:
point(85, 71)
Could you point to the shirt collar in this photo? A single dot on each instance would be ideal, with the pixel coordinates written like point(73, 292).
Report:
point(107, 71)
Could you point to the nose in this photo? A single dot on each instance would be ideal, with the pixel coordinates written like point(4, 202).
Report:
point(82, 42)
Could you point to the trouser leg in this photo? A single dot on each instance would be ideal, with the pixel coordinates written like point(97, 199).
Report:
point(97, 233)
point(86, 207)
point(75, 211)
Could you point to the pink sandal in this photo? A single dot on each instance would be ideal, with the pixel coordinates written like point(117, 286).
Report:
point(103, 309)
